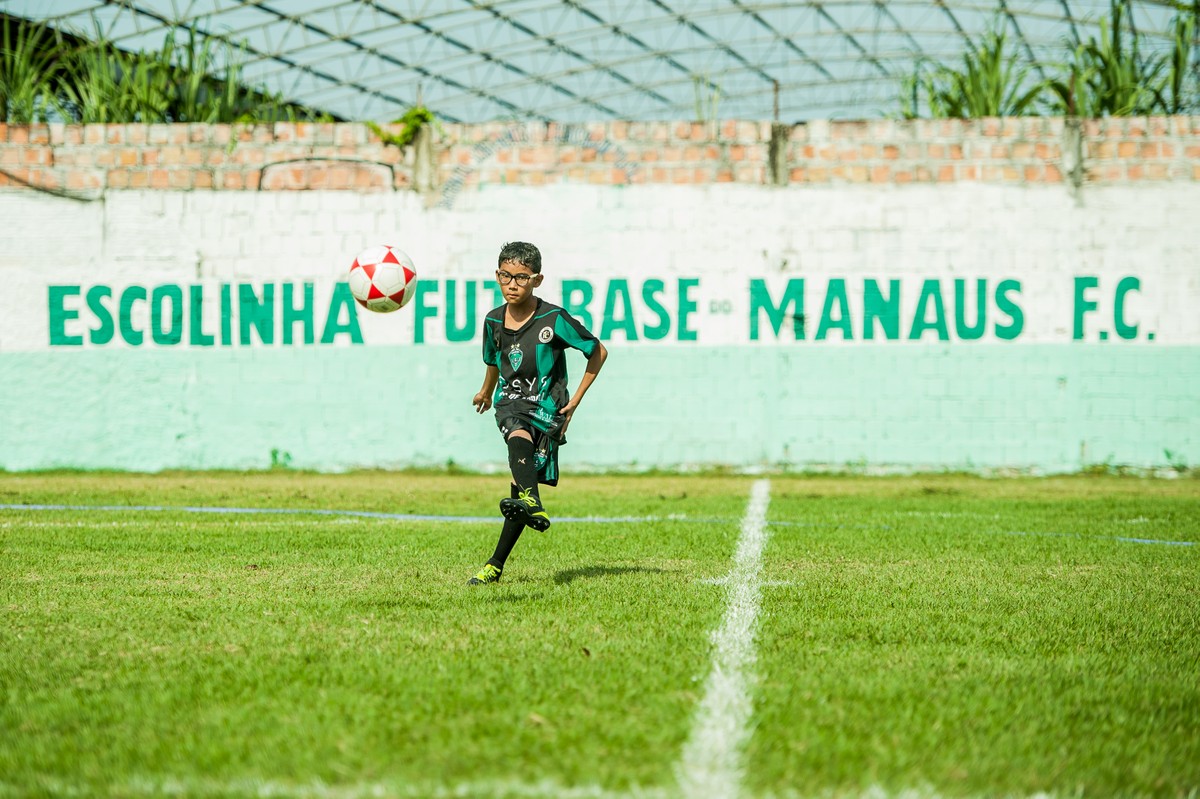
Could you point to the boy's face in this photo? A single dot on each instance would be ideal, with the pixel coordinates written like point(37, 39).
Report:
point(511, 275)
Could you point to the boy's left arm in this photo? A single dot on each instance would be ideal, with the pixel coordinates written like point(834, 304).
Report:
point(595, 362)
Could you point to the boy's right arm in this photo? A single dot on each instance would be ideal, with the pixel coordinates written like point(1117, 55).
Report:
point(483, 400)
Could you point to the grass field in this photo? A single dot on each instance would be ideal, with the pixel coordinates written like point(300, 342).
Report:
point(918, 636)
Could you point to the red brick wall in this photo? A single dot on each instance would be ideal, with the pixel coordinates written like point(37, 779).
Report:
point(285, 157)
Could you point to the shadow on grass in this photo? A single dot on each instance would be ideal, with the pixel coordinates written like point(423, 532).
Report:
point(586, 572)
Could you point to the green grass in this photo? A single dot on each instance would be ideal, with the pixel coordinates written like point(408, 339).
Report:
point(946, 635)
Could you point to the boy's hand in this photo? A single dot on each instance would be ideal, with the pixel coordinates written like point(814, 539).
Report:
point(482, 402)
point(567, 412)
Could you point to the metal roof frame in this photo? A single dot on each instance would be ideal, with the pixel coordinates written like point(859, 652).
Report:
point(586, 60)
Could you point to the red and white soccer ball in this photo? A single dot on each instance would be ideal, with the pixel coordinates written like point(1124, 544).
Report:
point(383, 278)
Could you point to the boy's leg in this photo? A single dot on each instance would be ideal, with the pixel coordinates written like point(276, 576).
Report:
point(521, 461)
point(509, 534)
point(508, 537)
point(527, 506)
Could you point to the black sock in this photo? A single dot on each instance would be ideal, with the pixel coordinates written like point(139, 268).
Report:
point(520, 461)
point(508, 539)
point(508, 536)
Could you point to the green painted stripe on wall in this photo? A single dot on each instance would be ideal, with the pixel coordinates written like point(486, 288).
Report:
point(1049, 407)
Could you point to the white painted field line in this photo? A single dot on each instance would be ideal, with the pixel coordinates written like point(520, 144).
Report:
point(711, 765)
point(202, 788)
point(502, 790)
point(366, 514)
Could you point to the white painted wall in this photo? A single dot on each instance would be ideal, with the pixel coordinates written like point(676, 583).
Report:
point(1123, 263)
point(721, 236)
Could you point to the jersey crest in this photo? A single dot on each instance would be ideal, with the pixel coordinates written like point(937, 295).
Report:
point(515, 356)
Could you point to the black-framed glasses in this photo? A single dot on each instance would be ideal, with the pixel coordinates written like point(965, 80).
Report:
point(505, 278)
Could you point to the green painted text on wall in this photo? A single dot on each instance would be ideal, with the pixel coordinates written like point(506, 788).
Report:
point(176, 314)
point(650, 310)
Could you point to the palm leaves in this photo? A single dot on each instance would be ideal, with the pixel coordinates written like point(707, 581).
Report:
point(991, 83)
point(45, 76)
point(28, 69)
point(1108, 75)
point(1182, 93)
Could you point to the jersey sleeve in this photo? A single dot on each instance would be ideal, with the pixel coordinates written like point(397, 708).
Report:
point(572, 334)
point(491, 353)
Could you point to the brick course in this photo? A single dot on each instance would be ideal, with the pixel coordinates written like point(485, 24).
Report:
point(308, 156)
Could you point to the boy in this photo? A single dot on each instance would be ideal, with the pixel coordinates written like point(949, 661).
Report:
point(524, 344)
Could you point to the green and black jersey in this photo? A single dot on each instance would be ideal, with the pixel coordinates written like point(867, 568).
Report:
point(532, 364)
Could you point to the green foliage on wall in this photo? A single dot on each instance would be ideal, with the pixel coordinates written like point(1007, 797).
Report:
point(413, 120)
point(46, 75)
point(991, 83)
point(1106, 75)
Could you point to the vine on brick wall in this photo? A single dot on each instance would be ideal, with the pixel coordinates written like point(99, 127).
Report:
point(413, 121)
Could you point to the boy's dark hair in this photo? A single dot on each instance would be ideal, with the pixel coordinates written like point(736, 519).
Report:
point(523, 253)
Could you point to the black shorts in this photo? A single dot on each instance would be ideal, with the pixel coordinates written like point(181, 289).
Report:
point(545, 447)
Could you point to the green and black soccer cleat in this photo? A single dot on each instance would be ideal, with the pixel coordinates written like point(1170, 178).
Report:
point(488, 574)
point(526, 508)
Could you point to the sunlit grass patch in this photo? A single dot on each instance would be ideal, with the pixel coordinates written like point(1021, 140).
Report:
point(945, 634)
